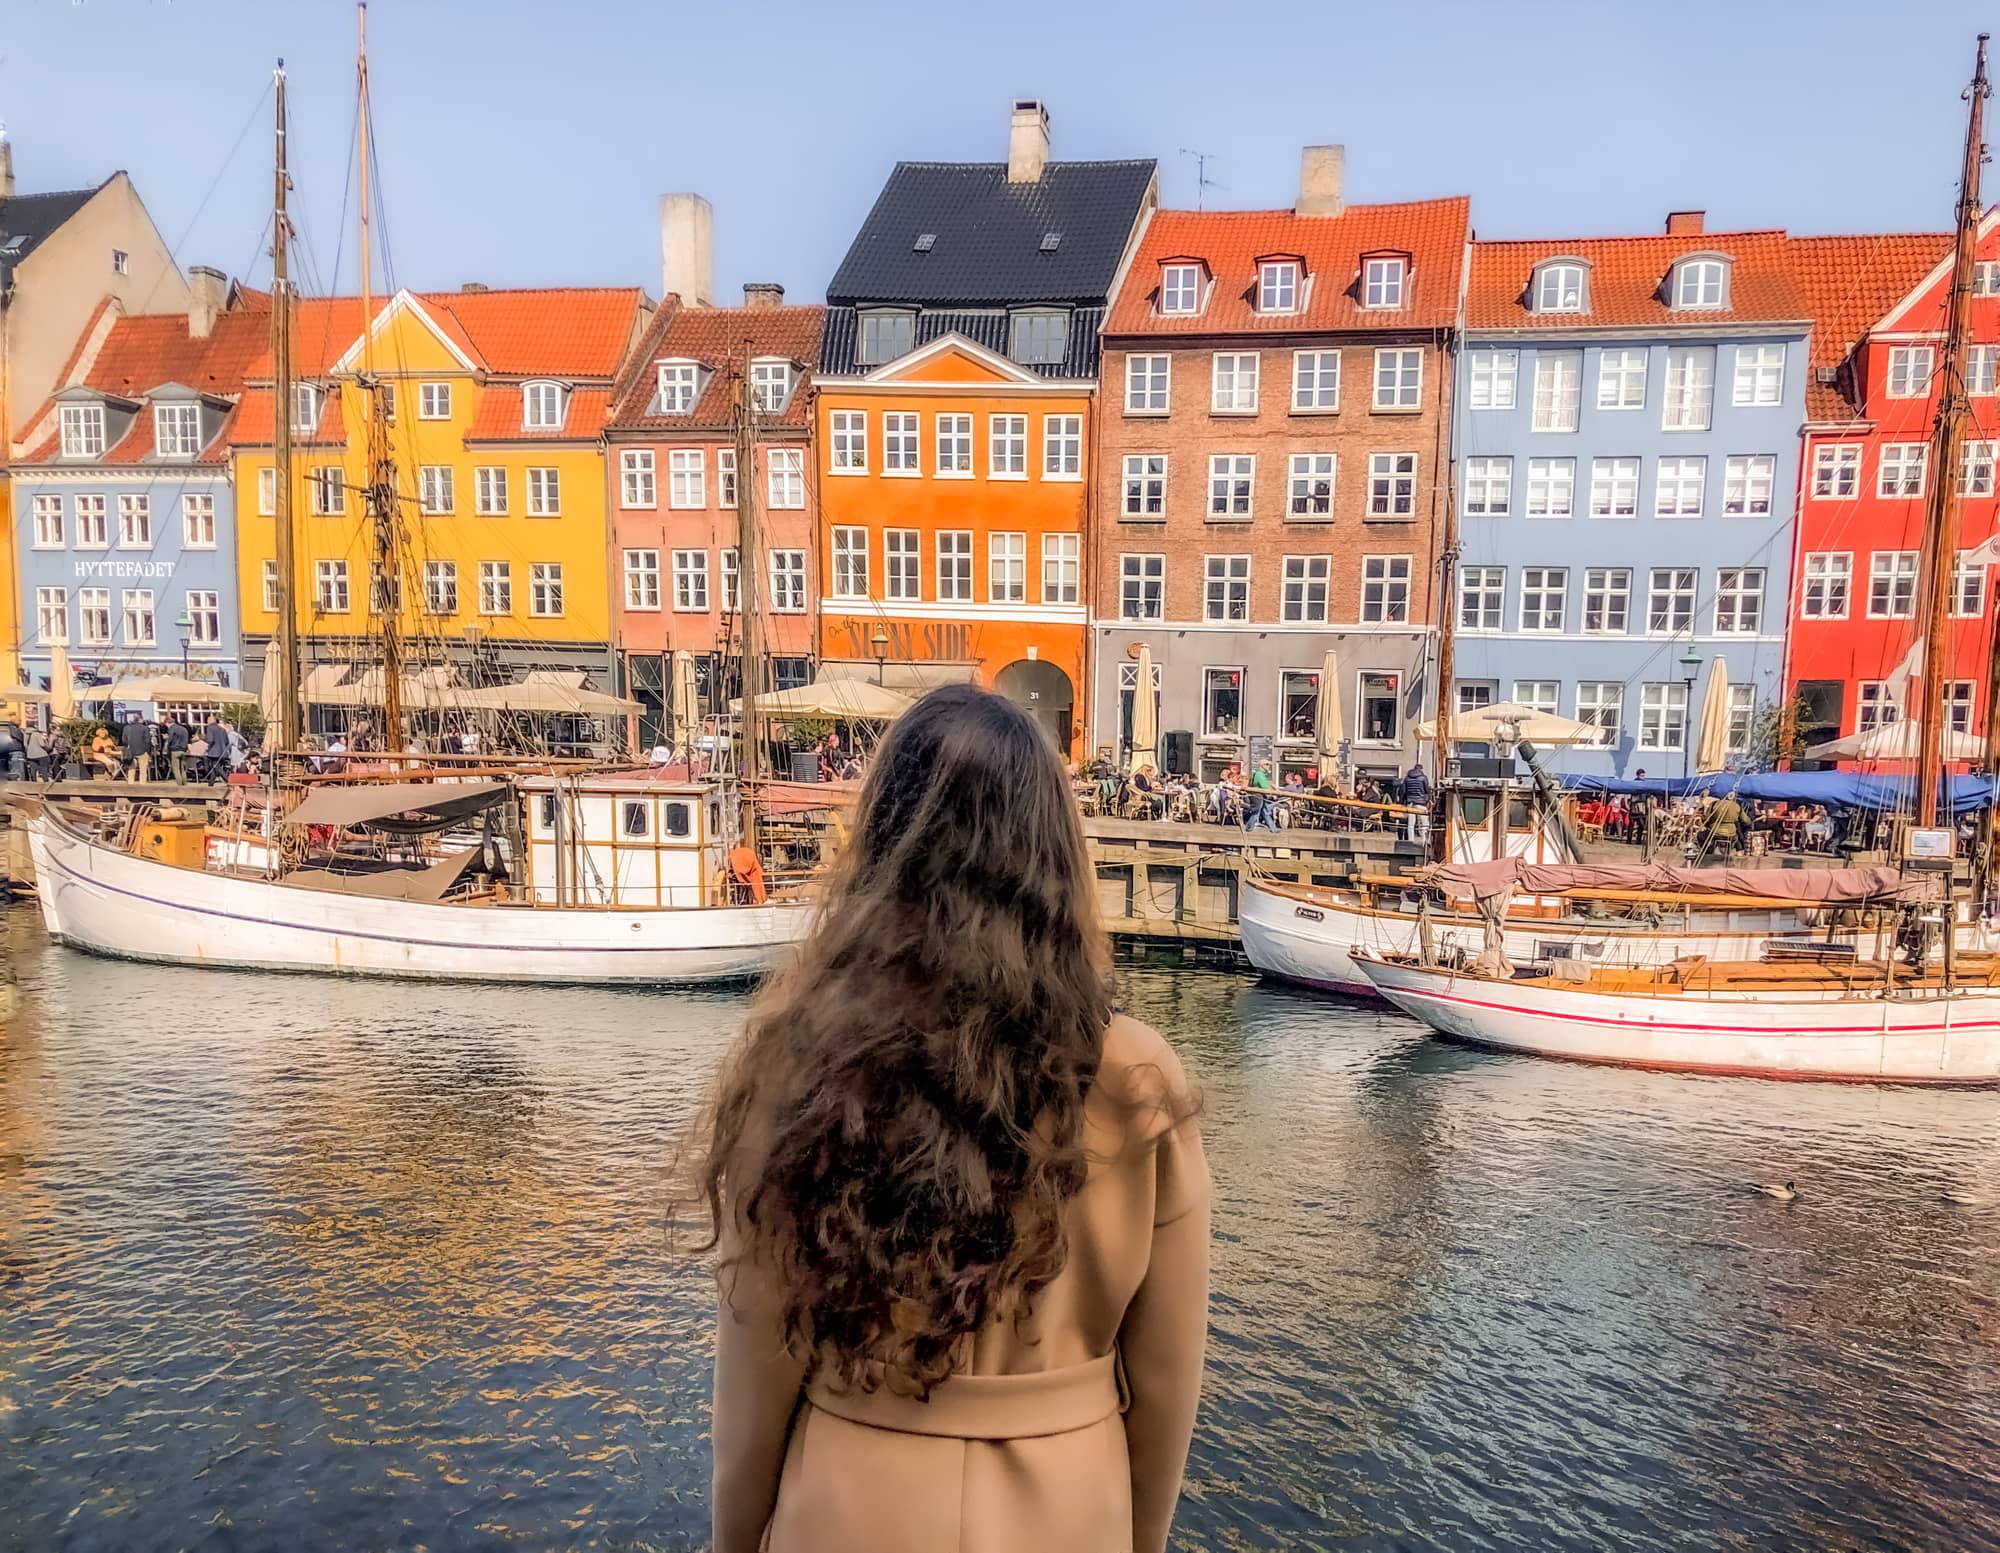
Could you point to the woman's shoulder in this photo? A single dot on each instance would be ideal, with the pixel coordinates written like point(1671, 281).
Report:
point(1141, 1074)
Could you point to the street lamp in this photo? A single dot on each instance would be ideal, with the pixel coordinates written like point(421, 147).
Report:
point(880, 642)
point(1690, 662)
point(185, 625)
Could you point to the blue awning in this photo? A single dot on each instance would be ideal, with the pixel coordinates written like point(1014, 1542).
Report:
point(1835, 789)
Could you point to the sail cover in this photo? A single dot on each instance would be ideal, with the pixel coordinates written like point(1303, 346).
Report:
point(1825, 886)
point(363, 805)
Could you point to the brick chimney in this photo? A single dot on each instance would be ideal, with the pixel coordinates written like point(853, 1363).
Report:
point(763, 293)
point(1027, 141)
point(1322, 171)
point(687, 249)
point(1685, 223)
point(208, 294)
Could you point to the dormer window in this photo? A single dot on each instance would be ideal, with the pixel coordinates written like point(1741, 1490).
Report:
point(176, 430)
point(542, 406)
point(679, 381)
point(82, 431)
point(886, 336)
point(771, 385)
point(1278, 286)
point(305, 409)
point(1561, 287)
point(1383, 280)
point(1701, 283)
point(1180, 288)
point(1040, 337)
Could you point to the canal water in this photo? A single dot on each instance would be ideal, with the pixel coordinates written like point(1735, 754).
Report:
point(292, 1262)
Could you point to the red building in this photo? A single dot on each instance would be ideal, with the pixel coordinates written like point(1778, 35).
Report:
point(1879, 306)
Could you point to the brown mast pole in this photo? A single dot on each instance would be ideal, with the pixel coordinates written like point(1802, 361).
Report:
point(290, 733)
point(380, 490)
point(746, 586)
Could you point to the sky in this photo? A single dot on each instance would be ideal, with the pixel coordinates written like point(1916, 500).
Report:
point(527, 143)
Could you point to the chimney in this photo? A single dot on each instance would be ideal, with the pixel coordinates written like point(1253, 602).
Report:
point(1027, 141)
point(1684, 223)
point(1322, 171)
point(208, 292)
point(6, 165)
point(687, 249)
point(763, 293)
point(472, 288)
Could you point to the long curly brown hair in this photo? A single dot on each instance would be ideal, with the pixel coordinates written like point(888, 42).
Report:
point(901, 1125)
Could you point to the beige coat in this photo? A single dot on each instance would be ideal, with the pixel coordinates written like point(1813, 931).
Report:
point(1068, 1436)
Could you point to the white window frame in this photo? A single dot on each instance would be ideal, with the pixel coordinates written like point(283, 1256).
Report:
point(1482, 599)
point(1680, 595)
point(176, 430)
point(1492, 378)
point(772, 382)
point(1739, 601)
point(489, 491)
point(135, 521)
point(1558, 391)
point(1280, 286)
point(1142, 586)
point(1148, 383)
point(1007, 567)
point(847, 434)
point(1562, 286)
point(788, 582)
point(1875, 707)
point(1314, 481)
point(954, 446)
point(1910, 371)
point(1232, 487)
point(1233, 383)
point(1836, 472)
point(678, 386)
point(82, 430)
point(1759, 379)
point(1824, 576)
point(1306, 583)
point(1663, 716)
point(545, 590)
point(1392, 490)
point(785, 479)
point(1688, 402)
point(1007, 447)
point(954, 565)
point(1386, 581)
point(1892, 578)
point(52, 616)
point(1145, 491)
point(690, 576)
point(326, 490)
point(1551, 489)
point(436, 490)
point(543, 406)
point(902, 444)
point(496, 588)
point(204, 612)
point(1225, 592)
point(93, 521)
point(139, 609)
point(1614, 487)
point(1749, 485)
point(1975, 467)
point(333, 592)
point(642, 580)
point(434, 401)
point(1546, 588)
point(1968, 586)
point(1489, 487)
point(48, 522)
point(1062, 447)
point(93, 616)
point(1901, 470)
point(1701, 284)
point(1062, 568)
point(1181, 290)
point(1399, 380)
point(1601, 703)
point(902, 564)
point(1680, 486)
point(638, 479)
point(1316, 382)
point(197, 520)
point(1384, 282)
point(687, 479)
point(850, 562)
point(544, 491)
point(441, 587)
point(1621, 377)
point(1607, 601)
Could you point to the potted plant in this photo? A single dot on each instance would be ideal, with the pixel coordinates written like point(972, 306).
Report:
point(806, 735)
point(77, 733)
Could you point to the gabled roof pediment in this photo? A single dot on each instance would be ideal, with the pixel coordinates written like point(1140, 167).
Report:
point(405, 305)
point(952, 358)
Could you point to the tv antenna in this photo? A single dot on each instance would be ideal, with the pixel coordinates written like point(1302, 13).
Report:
point(1202, 182)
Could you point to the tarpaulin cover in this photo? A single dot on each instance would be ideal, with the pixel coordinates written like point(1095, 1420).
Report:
point(1826, 886)
point(1835, 789)
point(359, 805)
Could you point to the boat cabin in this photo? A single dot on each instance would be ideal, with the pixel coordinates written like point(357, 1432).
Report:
point(629, 839)
point(1493, 810)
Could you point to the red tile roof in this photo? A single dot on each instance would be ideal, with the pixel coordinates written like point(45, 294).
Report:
point(714, 336)
point(565, 332)
point(253, 425)
point(1432, 232)
point(499, 417)
point(1850, 284)
point(1628, 281)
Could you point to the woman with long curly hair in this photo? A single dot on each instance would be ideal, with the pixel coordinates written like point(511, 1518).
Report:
point(962, 1207)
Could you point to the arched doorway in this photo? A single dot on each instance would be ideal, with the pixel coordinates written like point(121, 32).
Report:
point(1044, 690)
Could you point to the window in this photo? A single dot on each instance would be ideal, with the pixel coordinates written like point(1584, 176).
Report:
point(1489, 487)
point(305, 408)
point(850, 441)
point(489, 488)
point(1690, 392)
point(52, 616)
point(93, 529)
point(1228, 596)
point(326, 487)
point(899, 444)
point(1385, 588)
point(1662, 716)
point(636, 475)
point(1382, 283)
point(1145, 485)
point(1305, 587)
point(687, 478)
point(1145, 385)
point(270, 578)
point(441, 585)
point(788, 582)
point(1559, 288)
point(1062, 447)
point(197, 522)
point(1491, 375)
point(1544, 597)
point(1980, 365)
point(1180, 288)
point(1958, 705)
point(1222, 702)
point(1041, 339)
point(1558, 385)
point(1142, 587)
point(732, 579)
point(886, 336)
point(1278, 288)
point(1538, 695)
point(1747, 480)
point(770, 386)
point(82, 430)
point(434, 489)
point(1298, 703)
point(954, 566)
point(204, 612)
point(121, 262)
point(634, 820)
point(1315, 380)
point(1381, 711)
point(1902, 469)
point(642, 579)
point(542, 406)
point(850, 563)
point(1975, 469)
point(1827, 578)
point(1968, 585)
point(138, 604)
point(1614, 487)
point(385, 400)
point(1607, 600)
point(1551, 487)
point(496, 587)
point(1007, 568)
point(1231, 479)
point(1986, 278)
point(1678, 493)
point(545, 492)
point(678, 383)
point(1481, 594)
point(1836, 470)
point(1007, 447)
point(691, 581)
point(1312, 485)
point(1235, 383)
point(94, 615)
point(1392, 485)
point(1878, 709)
point(330, 592)
point(1892, 584)
point(785, 477)
point(1399, 377)
point(1601, 703)
point(1760, 375)
point(1739, 601)
point(1742, 718)
point(1700, 283)
point(545, 589)
point(135, 523)
point(1670, 600)
point(954, 445)
point(434, 401)
point(49, 522)
point(1621, 380)
point(1062, 568)
point(176, 430)
point(1909, 371)
point(725, 478)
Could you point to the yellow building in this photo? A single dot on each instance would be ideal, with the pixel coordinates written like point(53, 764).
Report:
point(493, 403)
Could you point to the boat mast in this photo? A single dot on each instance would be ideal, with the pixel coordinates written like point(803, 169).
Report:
point(1940, 551)
point(290, 734)
point(379, 493)
point(1447, 661)
point(748, 569)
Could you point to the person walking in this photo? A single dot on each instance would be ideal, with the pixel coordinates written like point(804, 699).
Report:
point(177, 739)
point(216, 736)
point(961, 1207)
point(1259, 807)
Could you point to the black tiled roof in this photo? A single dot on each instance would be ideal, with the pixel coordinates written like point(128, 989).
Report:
point(988, 234)
point(27, 219)
point(985, 327)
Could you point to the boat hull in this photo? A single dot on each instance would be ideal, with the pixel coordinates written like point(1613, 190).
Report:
point(1806, 1036)
point(108, 902)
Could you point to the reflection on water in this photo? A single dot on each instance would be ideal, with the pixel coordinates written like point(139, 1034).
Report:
point(292, 1261)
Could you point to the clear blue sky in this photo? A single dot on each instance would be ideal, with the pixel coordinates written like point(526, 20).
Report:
point(526, 143)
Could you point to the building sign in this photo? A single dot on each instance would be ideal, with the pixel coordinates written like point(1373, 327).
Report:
point(908, 643)
point(124, 568)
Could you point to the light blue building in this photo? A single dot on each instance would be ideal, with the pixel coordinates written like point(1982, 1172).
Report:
point(1626, 436)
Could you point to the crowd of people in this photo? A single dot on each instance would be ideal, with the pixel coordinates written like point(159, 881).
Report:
point(1254, 800)
point(176, 748)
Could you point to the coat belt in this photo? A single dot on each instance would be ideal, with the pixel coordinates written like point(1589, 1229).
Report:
point(991, 1407)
